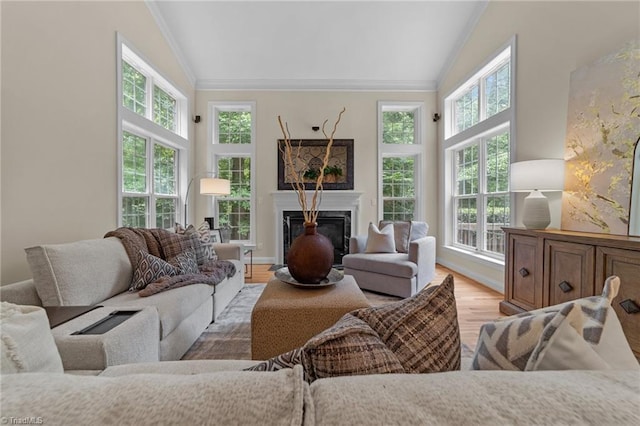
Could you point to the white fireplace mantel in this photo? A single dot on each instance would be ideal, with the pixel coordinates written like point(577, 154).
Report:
point(331, 200)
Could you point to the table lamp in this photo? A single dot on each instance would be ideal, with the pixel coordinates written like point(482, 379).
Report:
point(536, 176)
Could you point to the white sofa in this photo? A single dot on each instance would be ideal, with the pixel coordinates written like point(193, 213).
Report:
point(98, 272)
point(215, 392)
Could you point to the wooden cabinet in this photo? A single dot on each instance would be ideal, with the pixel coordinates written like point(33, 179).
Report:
point(547, 267)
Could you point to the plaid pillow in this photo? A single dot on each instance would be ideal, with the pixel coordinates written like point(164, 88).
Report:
point(348, 348)
point(200, 241)
point(422, 331)
point(416, 335)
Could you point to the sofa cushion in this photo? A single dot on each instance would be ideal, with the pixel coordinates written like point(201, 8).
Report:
point(394, 264)
point(203, 245)
point(422, 331)
point(380, 240)
point(488, 398)
point(79, 273)
point(418, 230)
point(149, 269)
point(520, 342)
point(185, 263)
point(401, 233)
point(224, 398)
point(26, 340)
point(351, 347)
point(173, 306)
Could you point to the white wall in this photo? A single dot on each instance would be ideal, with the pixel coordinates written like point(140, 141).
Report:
point(59, 148)
point(553, 39)
point(302, 110)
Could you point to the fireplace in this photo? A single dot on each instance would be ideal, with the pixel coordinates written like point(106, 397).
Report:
point(331, 201)
point(333, 224)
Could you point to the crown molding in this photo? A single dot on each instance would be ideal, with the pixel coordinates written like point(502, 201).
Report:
point(318, 85)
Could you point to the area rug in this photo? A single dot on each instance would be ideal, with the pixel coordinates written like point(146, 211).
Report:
point(230, 336)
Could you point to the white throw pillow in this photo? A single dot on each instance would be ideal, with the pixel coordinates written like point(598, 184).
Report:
point(380, 240)
point(27, 342)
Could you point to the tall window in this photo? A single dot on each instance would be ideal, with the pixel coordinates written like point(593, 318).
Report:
point(400, 150)
point(153, 145)
point(233, 157)
point(478, 136)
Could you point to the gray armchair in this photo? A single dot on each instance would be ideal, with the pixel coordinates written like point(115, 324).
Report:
point(403, 273)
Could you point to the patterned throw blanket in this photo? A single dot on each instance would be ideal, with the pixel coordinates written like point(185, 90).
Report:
point(165, 245)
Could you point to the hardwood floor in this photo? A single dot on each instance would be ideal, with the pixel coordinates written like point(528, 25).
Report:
point(476, 303)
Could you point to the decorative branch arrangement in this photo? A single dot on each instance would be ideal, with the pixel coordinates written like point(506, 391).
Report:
point(291, 157)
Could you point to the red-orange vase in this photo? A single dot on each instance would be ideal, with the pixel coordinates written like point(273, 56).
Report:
point(310, 256)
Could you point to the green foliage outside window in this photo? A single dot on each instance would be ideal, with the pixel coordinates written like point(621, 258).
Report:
point(164, 109)
point(398, 127)
point(398, 188)
point(234, 210)
point(134, 159)
point(134, 92)
point(497, 90)
point(234, 127)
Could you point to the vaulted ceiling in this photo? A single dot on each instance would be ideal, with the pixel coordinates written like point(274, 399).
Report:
point(316, 45)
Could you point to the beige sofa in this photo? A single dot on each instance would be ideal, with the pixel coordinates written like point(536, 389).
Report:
point(98, 272)
point(215, 392)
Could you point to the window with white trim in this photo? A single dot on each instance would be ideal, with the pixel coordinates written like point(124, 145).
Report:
point(400, 148)
point(233, 157)
point(153, 145)
point(479, 124)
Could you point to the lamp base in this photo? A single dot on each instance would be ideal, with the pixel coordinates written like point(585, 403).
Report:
point(536, 211)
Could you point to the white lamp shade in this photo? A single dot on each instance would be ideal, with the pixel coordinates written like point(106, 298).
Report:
point(215, 186)
point(541, 175)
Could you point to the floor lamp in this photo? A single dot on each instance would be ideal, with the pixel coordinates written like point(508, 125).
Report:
point(536, 176)
point(208, 186)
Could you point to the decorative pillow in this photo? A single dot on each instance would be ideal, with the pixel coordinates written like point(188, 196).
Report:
point(416, 335)
point(562, 347)
point(149, 269)
point(27, 342)
point(200, 241)
point(185, 263)
point(380, 240)
point(422, 331)
point(418, 230)
point(286, 360)
point(531, 340)
point(402, 231)
point(350, 347)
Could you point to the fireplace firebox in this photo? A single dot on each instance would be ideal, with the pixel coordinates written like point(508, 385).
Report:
point(334, 224)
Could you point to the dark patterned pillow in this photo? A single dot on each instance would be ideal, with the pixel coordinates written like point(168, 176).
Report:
point(286, 360)
point(185, 263)
point(348, 348)
point(416, 335)
point(200, 241)
point(149, 269)
point(422, 331)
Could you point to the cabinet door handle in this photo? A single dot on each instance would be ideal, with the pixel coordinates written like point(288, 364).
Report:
point(523, 272)
point(630, 306)
point(565, 286)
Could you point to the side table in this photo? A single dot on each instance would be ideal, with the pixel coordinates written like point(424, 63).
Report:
point(247, 249)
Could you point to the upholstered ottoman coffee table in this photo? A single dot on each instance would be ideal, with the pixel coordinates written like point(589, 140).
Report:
point(286, 316)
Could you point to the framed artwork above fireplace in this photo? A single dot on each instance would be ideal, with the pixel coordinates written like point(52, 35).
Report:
point(339, 171)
